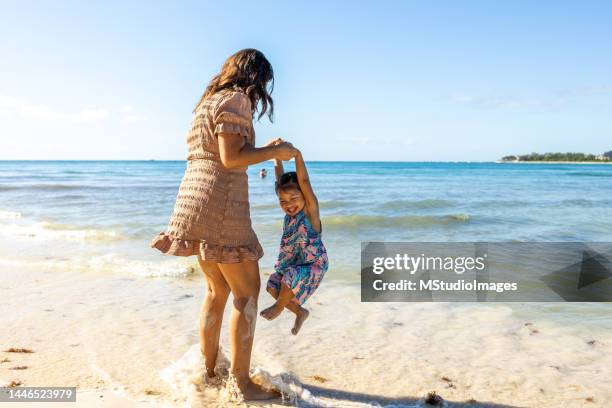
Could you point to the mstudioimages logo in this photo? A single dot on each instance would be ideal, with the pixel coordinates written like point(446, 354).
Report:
point(440, 285)
point(507, 272)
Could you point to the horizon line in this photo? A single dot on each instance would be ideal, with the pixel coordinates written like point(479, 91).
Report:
point(184, 160)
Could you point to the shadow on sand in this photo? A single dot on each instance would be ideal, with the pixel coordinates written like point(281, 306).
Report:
point(345, 399)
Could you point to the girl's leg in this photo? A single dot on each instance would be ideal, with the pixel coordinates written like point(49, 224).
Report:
point(284, 297)
point(292, 306)
point(301, 314)
point(244, 281)
point(211, 315)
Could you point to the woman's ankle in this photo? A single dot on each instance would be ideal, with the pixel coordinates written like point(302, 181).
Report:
point(209, 363)
point(241, 380)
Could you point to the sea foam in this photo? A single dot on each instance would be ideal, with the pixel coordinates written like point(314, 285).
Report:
point(9, 215)
point(52, 231)
point(110, 263)
point(353, 222)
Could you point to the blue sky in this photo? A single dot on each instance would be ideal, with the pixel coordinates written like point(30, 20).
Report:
point(377, 80)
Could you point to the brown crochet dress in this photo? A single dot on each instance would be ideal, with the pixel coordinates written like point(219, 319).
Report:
point(211, 215)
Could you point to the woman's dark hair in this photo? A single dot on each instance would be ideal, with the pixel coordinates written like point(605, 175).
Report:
point(247, 71)
point(287, 181)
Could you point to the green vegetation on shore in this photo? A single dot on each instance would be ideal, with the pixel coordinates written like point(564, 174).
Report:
point(560, 157)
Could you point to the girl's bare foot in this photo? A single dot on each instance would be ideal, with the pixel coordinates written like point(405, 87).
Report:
point(272, 312)
point(253, 392)
point(300, 317)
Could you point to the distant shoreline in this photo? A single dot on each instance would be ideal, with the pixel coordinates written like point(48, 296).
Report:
point(308, 161)
point(553, 162)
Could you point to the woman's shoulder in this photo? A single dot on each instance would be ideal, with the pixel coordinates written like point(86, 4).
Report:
point(232, 100)
point(226, 100)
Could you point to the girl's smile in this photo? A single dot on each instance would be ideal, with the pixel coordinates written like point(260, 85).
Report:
point(291, 201)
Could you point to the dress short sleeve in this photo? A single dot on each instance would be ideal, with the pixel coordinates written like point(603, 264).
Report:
point(233, 115)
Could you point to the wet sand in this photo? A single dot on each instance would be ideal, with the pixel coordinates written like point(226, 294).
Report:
point(134, 339)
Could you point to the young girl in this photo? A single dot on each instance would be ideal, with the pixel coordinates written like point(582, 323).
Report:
point(302, 261)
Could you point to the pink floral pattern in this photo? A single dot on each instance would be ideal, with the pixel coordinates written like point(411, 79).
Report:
point(302, 260)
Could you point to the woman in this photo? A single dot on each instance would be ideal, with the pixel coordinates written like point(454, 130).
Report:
point(211, 216)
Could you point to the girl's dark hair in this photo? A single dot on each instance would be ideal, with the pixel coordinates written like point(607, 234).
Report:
point(287, 181)
point(247, 71)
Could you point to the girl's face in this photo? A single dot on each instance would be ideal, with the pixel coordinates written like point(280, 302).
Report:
point(291, 201)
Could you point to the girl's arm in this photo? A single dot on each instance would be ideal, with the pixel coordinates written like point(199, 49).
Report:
point(235, 152)
point(278, 164)
point(278, 169)
point(312, 204)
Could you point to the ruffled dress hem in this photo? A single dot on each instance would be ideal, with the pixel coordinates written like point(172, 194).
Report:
point(171, 245)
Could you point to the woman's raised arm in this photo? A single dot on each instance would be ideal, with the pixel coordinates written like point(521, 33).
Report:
point(235, 152)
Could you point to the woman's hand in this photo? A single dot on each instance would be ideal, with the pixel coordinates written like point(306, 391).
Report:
point(275, 142)
point(285, 151)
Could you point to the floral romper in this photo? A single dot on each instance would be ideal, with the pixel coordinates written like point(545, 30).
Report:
point(302, 261)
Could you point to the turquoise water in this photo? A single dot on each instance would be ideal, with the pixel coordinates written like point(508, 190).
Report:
point(117, 207)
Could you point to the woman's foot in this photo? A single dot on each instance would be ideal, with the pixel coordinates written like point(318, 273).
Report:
point(209, 363)
point(300, 317)
point(253, 392)
point(272, 312)
point(210, 373)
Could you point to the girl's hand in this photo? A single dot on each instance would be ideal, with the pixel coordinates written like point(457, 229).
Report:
point(285, 151)
point(274, 142)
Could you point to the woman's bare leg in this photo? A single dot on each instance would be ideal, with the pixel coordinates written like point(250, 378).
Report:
point(211, 315)
point(244, 282)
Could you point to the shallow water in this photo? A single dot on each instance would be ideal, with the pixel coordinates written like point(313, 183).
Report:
point(112, 209)
point(125, 204)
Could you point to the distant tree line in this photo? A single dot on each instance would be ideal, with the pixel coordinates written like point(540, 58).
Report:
point(570, 157)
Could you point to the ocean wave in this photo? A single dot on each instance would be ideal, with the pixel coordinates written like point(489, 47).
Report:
point(9, 215)
point(502, 203)
point(589, 174)
point(322, 204)
point(70, 197)
point(333, 204)
point(381, 221)
point(417, 204)
point(52, 231)
point(577, 202)
point(265, 206)
point(46, 187)
point(582, 202)
point(111, 263)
